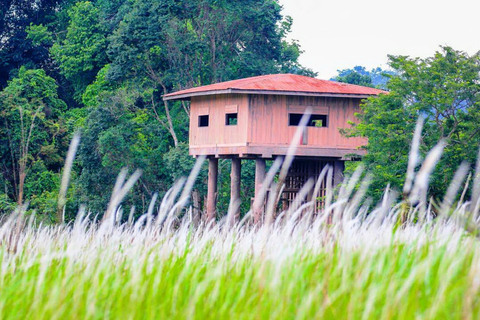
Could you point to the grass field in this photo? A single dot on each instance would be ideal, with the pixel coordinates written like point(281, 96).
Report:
point(401, 259)
point(353, 270)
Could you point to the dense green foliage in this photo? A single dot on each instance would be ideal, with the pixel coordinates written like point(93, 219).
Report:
point(81, 53)
point(33, 131)
point(101, 67)
point(15, 49)
point(443, 89)
point(360, 76)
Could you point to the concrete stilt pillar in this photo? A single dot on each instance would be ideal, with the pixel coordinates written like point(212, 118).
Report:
point(311, 175)
point(338, 168)
point(235, 187)
point(258, 210)
point(212, 189)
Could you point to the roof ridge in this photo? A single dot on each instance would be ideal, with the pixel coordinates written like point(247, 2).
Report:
point(260, 78)
point(253, 79)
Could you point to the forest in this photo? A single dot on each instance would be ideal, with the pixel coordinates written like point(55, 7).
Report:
point(100, 68)
point(109, 233)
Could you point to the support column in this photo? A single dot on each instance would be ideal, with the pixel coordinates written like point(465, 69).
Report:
point(212, 188)
point(235, 187)
point(259, 209)
point(338, 168)
point(311, 175)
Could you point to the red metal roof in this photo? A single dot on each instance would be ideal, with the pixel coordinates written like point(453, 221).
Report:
point(278, 84)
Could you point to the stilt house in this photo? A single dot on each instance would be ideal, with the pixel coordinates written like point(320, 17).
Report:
point(256, 118)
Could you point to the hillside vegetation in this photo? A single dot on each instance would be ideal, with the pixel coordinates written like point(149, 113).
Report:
point(101, 67)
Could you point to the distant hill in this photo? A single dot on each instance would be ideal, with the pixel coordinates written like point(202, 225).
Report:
point(376, 78)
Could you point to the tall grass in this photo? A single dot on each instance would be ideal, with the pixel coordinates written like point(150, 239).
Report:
point(399, 259)
point(354, 269)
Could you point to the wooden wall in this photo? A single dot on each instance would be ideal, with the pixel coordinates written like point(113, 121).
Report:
point(217, 133)
point(263, 121)
point(269, 120)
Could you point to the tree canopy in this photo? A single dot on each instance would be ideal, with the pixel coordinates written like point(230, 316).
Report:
point(358, 75)
point(33, 132)
point(16, 49)
point(445, 91)
point(101, 66)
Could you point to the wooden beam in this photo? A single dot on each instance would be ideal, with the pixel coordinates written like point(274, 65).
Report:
point(258, 210)
point(235, 188)
point(212, 189)
point(274, 150)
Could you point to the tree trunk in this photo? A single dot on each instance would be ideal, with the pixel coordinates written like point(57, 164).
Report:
point(170, 123)
point(170, 127)
point(24, 147)
point(21, 185)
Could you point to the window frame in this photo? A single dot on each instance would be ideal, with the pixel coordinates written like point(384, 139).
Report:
point(231, 116)
point(201, 119)
point(316, 116)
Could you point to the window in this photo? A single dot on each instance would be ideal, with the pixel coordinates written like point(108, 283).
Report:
point(231, 119)
point(203, 121)
point(316, 120)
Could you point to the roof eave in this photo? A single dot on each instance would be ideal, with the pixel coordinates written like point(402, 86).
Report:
point(187, 96)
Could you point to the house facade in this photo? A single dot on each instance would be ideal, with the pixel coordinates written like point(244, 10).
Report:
point(256, 118)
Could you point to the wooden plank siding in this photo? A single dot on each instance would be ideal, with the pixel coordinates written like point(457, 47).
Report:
point(269, 125)
point(218, 133)
point(263, 126)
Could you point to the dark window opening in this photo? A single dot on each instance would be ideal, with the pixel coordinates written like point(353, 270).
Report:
point(231, 119)
point(315, 120)
point(203, 121)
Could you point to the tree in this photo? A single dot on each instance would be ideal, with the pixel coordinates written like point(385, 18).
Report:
point(360, 76)
point(112, 60)
point(31, 128)
point(15, 49)
point(191, 43)
point(120, 132)
point(172, 45)
point(81, 54)
point(445, 90)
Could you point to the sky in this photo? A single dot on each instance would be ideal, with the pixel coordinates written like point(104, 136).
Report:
point(340, 34)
